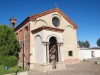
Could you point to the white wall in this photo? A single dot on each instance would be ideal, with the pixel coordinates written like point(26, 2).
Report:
point(38, 50)
point(69, 36)
point(85, 53)
point(67, 41)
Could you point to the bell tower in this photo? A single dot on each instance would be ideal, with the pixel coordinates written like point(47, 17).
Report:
point(12, 23)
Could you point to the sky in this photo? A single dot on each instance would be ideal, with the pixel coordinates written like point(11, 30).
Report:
point(84, 13)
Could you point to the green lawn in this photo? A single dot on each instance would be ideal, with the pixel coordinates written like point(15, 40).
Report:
point(9, 70)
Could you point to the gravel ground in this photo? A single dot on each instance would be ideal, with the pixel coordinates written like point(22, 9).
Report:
point(83, 68)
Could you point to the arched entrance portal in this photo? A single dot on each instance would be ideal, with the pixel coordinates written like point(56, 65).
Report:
point(53, 52)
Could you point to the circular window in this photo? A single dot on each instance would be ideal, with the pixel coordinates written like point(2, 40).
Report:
point(56, 21)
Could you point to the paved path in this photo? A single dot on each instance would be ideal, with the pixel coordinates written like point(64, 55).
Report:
point(84, 68)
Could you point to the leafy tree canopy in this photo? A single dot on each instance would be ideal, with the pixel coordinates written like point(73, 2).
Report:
point(81, 43)
point(98, 42)
point(85, 44)
point(8, 42)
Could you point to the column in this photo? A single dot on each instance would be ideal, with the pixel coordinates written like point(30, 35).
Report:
point(47, 52)
point(59, 50)
point(59, 53)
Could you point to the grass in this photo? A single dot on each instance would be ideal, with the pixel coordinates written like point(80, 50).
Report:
point(10, 70)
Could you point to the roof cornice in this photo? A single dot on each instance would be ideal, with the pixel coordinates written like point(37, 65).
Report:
point(47, 28)
point(33, 17)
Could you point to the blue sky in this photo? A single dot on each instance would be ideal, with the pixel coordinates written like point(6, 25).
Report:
point(84, 13)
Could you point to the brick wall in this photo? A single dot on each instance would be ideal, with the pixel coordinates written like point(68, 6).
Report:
point(24, 34)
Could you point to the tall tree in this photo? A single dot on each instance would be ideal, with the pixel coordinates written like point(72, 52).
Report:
point(86, 44)
point(98, 42)
point(8, 42)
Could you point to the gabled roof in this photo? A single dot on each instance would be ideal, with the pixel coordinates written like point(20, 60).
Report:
point(33, 17)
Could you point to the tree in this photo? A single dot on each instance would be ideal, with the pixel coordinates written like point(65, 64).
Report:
point(98, 42)
point(8, 43)
point(86, 44)
point(81, 43)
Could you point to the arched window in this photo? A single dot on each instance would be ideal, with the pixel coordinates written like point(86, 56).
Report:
point(26, 28)
point(70, 53)
point(13, 25)
point(17, 36)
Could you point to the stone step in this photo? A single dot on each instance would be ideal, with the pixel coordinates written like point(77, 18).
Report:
point(55, 72)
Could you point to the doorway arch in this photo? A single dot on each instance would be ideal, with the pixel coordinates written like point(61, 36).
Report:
point(53, 51)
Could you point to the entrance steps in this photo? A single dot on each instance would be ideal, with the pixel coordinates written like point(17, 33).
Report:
point(54, 72)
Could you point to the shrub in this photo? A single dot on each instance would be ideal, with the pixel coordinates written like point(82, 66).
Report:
point(9, 61)
point(1, 60)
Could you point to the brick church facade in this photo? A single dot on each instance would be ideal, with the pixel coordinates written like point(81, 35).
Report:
point(48, 40)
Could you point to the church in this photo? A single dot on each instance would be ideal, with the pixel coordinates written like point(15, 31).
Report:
point(48, 40)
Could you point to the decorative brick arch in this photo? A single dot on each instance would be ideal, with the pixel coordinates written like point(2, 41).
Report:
point(53, 35)
point(57, 15)
point(70, 26)
point(38, 36)
point(43, 23)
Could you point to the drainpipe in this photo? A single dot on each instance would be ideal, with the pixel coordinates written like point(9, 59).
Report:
point(23, 53)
